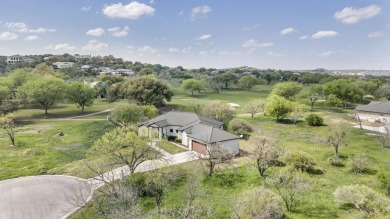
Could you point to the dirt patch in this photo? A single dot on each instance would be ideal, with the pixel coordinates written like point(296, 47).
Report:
point(232, 105)
point(341, 121)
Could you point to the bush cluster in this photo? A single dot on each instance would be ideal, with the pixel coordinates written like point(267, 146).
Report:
point(314, 120)
point(300, 160)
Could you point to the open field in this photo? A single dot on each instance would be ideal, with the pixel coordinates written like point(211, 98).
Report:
point(63, 110)
point(40, 150)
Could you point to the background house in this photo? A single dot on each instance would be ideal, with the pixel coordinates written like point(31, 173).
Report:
point(198, 133)
point(374, 112)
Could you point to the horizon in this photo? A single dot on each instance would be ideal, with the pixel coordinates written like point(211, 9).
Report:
point(333, 35)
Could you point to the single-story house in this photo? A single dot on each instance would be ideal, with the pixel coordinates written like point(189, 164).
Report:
point(196, 132)
point(374, 112)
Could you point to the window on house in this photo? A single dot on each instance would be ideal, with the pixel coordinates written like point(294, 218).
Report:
point(177, 131)
point(170, 130)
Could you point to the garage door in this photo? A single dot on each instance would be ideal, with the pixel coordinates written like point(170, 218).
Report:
point(199, 147)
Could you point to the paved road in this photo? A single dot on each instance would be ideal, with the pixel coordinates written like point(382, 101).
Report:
point(49, 197)
point(39, 197)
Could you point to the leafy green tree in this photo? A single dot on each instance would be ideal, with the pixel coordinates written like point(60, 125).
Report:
point(268, 77)
point(192, 85)
point(226, 78)
point(80, 94)
point(218, 110)
point(6, 94)
point(146, 90)
point(149, 111)
point(20, 76)
point(277, 107)
point(384, 92)
point(314, 93)
point(247, 82)
point(127, 115)
point(123, 147)
point(287, 90)
point(45, 91)
point(332, 100)
point(7, 126)
point(240, 127)
point(344, 89)
point(145, 71)
point(43, 69)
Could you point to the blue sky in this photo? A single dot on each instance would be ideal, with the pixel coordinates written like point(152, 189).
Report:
point(278, 34)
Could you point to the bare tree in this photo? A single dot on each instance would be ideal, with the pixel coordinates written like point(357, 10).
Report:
point(384, 134)
point(214, 156)
point(265, 154)
point(297, 111)
point(288, 184)
point(358, 120)
point(254, 107)
point(337, 136)
point(196, 107)
point(7, 126)
point(157, 181)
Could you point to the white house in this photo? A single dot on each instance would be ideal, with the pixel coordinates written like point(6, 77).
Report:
point(60, 65)
point(374, 112)
point(198, 133)
point(18, 59)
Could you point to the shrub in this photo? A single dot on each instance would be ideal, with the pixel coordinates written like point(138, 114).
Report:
point(363, 198)
point(334, 161)
point(178, 140)
point(359, 163)
point(239, 127)
point(258, 203)
point(171, 138)
point(300, 160)
point(384, 178)
point(314, 120)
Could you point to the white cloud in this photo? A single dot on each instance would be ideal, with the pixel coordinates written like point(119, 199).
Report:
point(173, 50)
point(23, 28)
point(253, 44)
point(287, 31)
point(133, 10)
point(250, 43)
point(181, 13)
point(324, 34)
point(200, 12)
point(94, 45)
point(147, 49)
point(204, 37)
point(325, 54)
point(265, 44)
point(270, 53)
point(8, 36)
point(61, 47)
point(96, 32)
point(227, 53)
point(351, 15)
point(31, 38)
point(304, 37)
point(376, 34)
point(86, 8)
point(118, 32)
point(250, 27)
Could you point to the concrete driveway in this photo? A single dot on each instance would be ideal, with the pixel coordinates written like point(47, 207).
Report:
point(40, 197)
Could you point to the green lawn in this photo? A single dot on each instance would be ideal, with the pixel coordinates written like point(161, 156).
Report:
point(240, 97)
point(62, 110)
point(40, 150)
point(169, 147)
